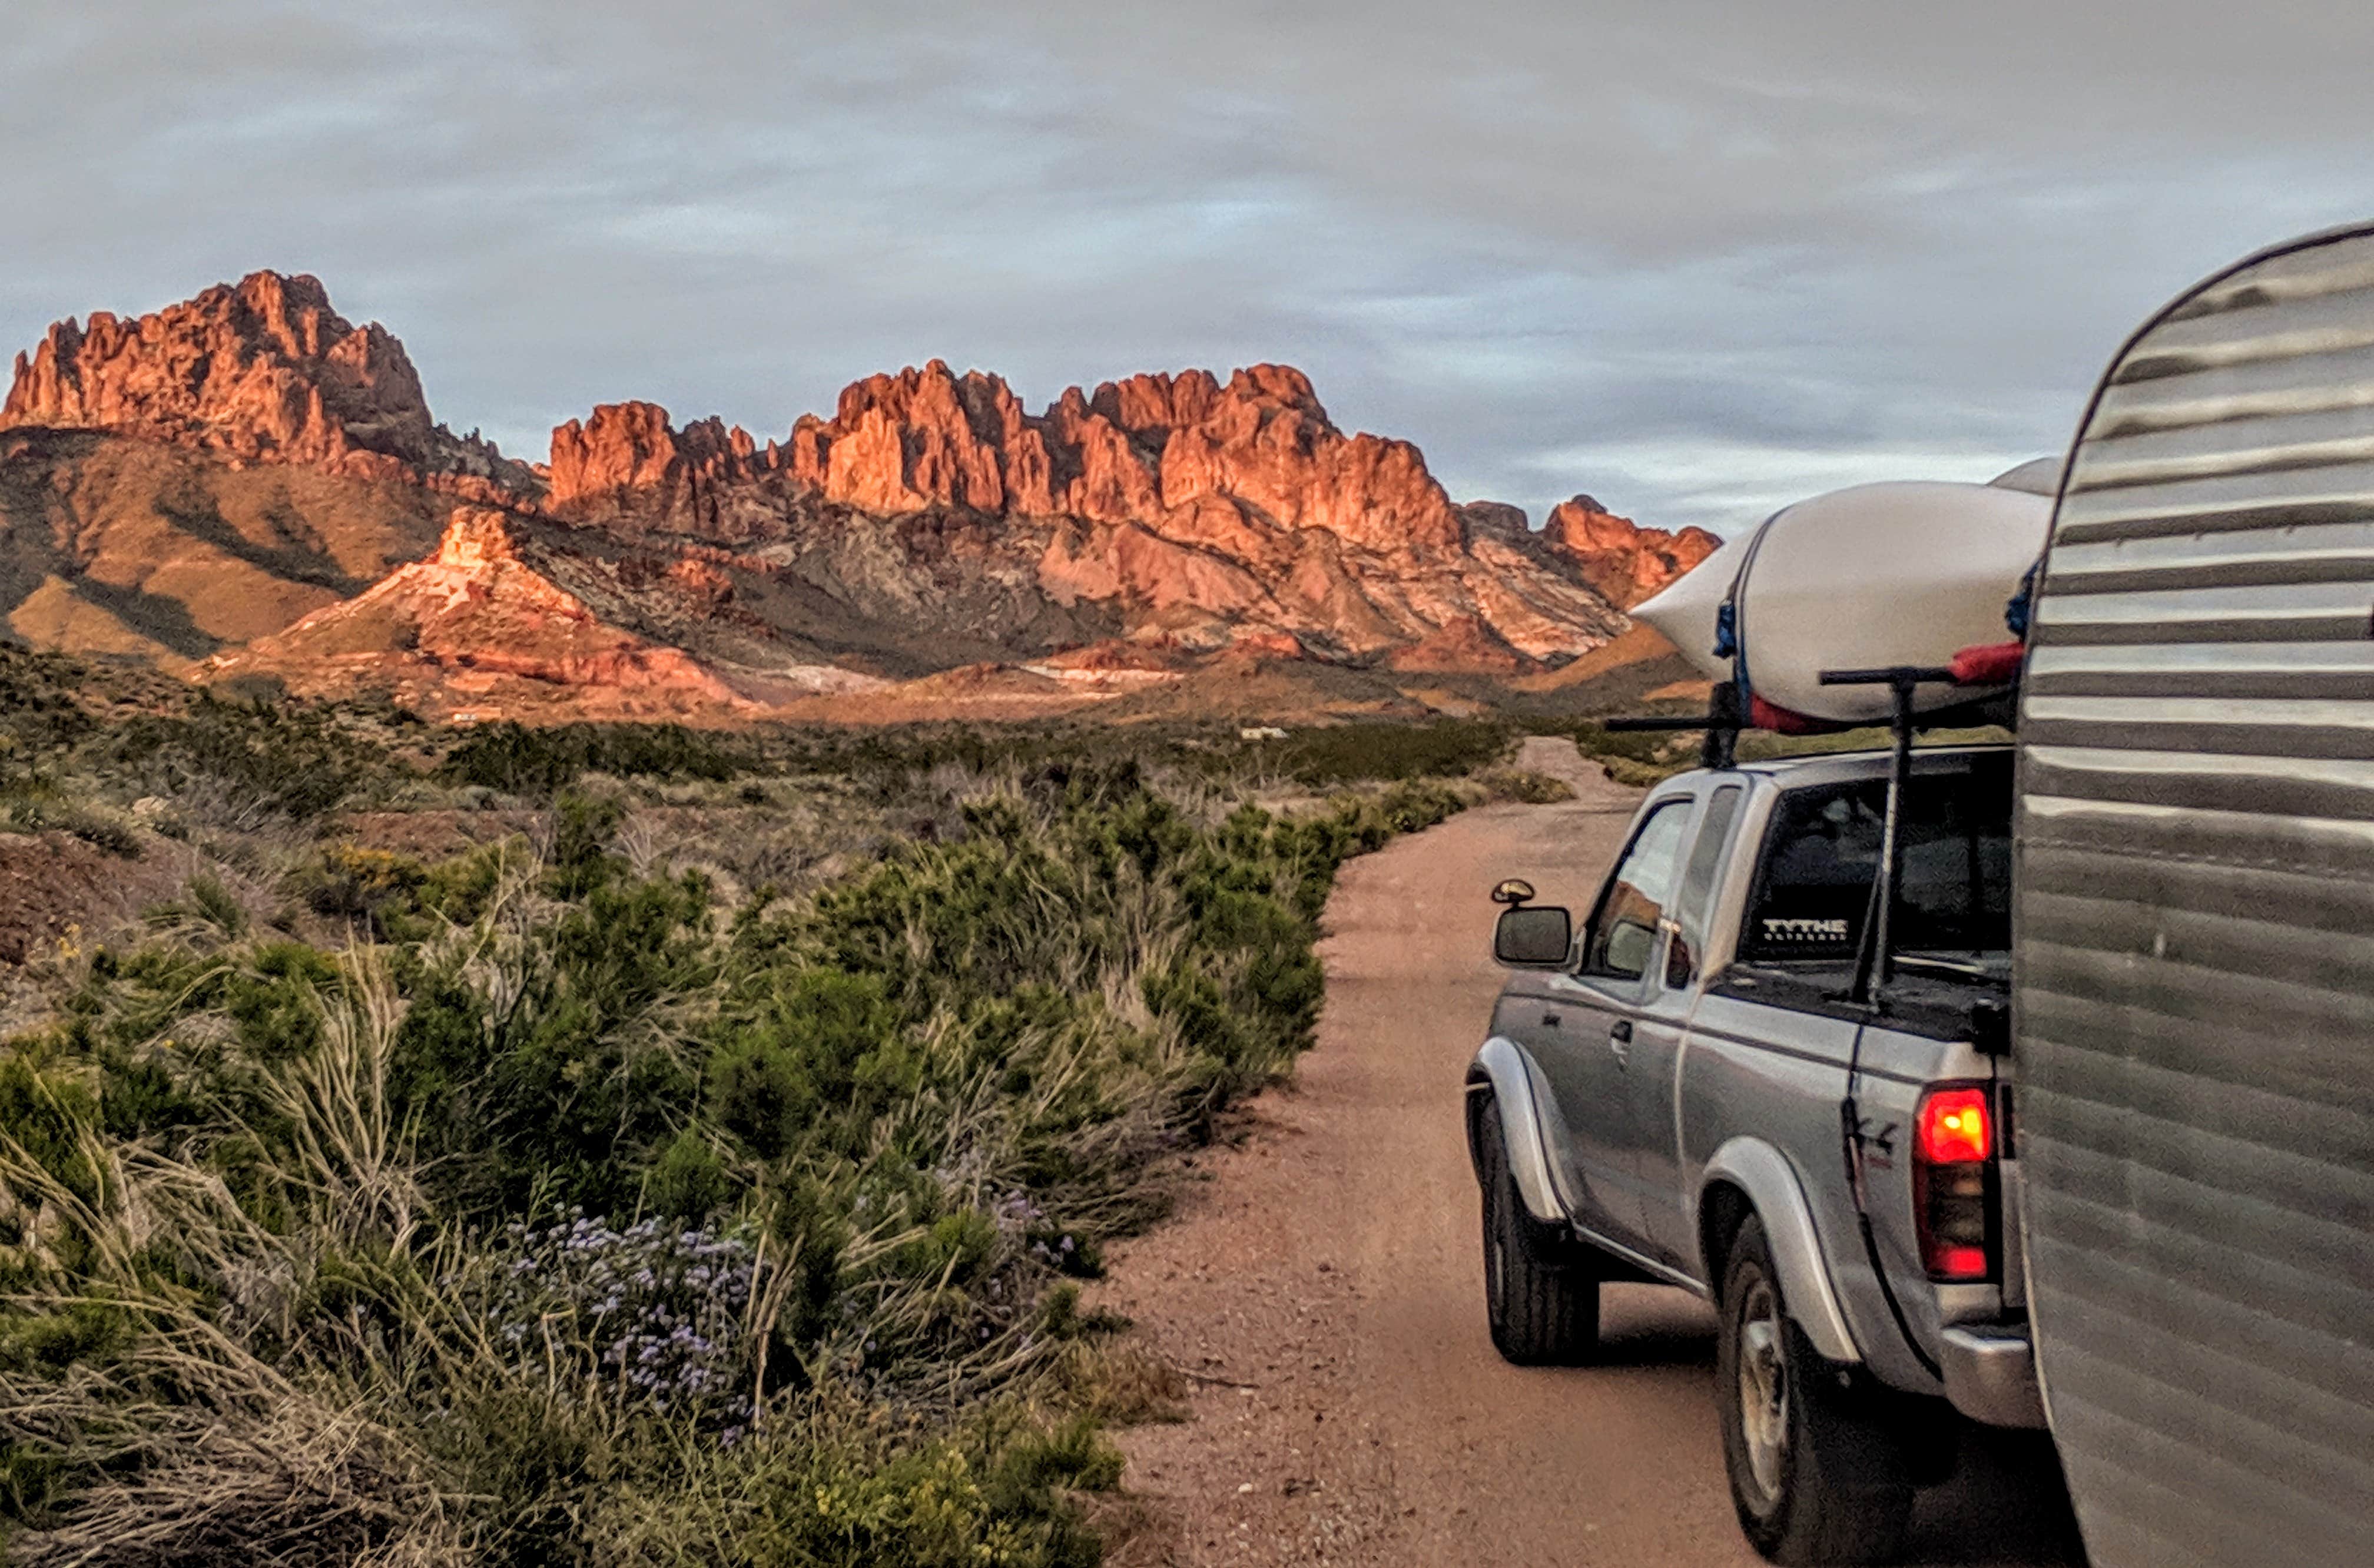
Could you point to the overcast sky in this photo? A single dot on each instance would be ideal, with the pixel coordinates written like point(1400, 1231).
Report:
point(1697, 260)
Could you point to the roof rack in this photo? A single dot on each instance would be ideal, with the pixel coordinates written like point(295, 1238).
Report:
point(1729, 711)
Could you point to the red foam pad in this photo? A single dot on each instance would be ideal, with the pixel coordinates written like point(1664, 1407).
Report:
point(1995, 664)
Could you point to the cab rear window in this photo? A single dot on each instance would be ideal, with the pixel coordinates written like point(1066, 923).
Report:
point(1813, 881)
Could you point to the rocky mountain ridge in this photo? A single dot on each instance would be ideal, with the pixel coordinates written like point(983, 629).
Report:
point(927, 439)
point(263, 372)
point(931, 523)
point(1200, 512)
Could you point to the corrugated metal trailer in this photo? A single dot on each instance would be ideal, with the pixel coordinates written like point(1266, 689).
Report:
point(2194, 930)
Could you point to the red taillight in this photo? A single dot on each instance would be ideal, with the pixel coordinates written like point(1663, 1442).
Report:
point(1955, 1263)
point(1955, 1128)
point(1953, 1208)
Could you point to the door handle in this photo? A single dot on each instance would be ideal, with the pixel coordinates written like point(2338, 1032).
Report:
point(1550, 1020)
point(1619, 1041)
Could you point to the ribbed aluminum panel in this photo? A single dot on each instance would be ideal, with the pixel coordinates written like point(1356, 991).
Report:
point(2195, 930)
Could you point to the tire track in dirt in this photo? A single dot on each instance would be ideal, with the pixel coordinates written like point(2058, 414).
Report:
point(1322, 1279)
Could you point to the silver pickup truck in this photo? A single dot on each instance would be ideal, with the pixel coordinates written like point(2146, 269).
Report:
point(1718, 1083)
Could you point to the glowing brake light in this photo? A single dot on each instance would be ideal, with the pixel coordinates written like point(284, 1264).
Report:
point(1954, 1128)
point(1953, 1178)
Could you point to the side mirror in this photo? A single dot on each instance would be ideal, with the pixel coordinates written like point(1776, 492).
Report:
point(1534, 937)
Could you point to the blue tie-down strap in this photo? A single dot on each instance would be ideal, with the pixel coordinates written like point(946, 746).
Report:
point(2017, 613)
point(1726, 630)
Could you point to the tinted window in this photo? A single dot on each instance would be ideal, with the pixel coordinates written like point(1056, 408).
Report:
point(1813, 888)
point(1624, 928)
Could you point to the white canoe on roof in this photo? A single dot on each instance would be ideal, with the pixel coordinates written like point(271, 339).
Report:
point(1904, 573)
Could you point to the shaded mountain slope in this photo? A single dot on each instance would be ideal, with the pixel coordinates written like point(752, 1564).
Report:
point(113, 544)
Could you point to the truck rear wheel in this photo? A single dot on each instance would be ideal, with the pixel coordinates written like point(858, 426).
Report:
point(1541, 1290)
point(1817, 1474)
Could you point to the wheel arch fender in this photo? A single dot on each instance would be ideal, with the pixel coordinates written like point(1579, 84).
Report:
point(1748, 1175)
point(1504, 1074)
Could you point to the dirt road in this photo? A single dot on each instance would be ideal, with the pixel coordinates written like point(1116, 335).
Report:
point(1323, 1282)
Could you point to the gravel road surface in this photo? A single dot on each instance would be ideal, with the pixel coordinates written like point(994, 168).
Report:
point(1320, 1285)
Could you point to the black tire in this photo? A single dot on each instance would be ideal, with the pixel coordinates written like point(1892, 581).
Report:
point(1541, 1290)
point(1824, 1477)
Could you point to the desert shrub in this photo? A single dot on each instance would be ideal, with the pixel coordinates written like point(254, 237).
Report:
point(882, 757)
point(36, 806)
point(1638, 758)
point(565, 1083)
point(813, 1039)
point(522, 760)
point(360, 886)
point(384, 895)
point(208, 910)
point(1320, 756)
point(583, 828)
point(40, 714)
point(655, 1314)
point(1335, 755)
point(1525, 786)
point(244, 766)
point(841, 1491)
point(562, 1219)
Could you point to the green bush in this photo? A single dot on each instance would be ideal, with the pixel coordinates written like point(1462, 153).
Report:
point(244, 766)
point(40, 711)
point(1334, 755)
point(822, 1041)
point(520, 760)
point(842, 1492)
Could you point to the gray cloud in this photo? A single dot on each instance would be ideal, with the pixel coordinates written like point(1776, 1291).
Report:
point(1696, 259)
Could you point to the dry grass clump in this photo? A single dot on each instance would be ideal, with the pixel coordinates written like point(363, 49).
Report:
point(166, 1396)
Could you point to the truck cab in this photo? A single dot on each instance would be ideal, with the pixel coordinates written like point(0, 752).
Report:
point(1716, 1080)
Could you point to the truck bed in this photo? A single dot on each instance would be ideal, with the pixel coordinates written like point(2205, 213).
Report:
point(1933, 1007)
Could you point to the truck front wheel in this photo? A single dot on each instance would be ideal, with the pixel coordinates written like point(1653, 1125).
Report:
point(1540, 1289)
point(1817, 1474)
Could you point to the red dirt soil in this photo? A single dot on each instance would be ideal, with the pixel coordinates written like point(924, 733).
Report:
point(55, 888)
